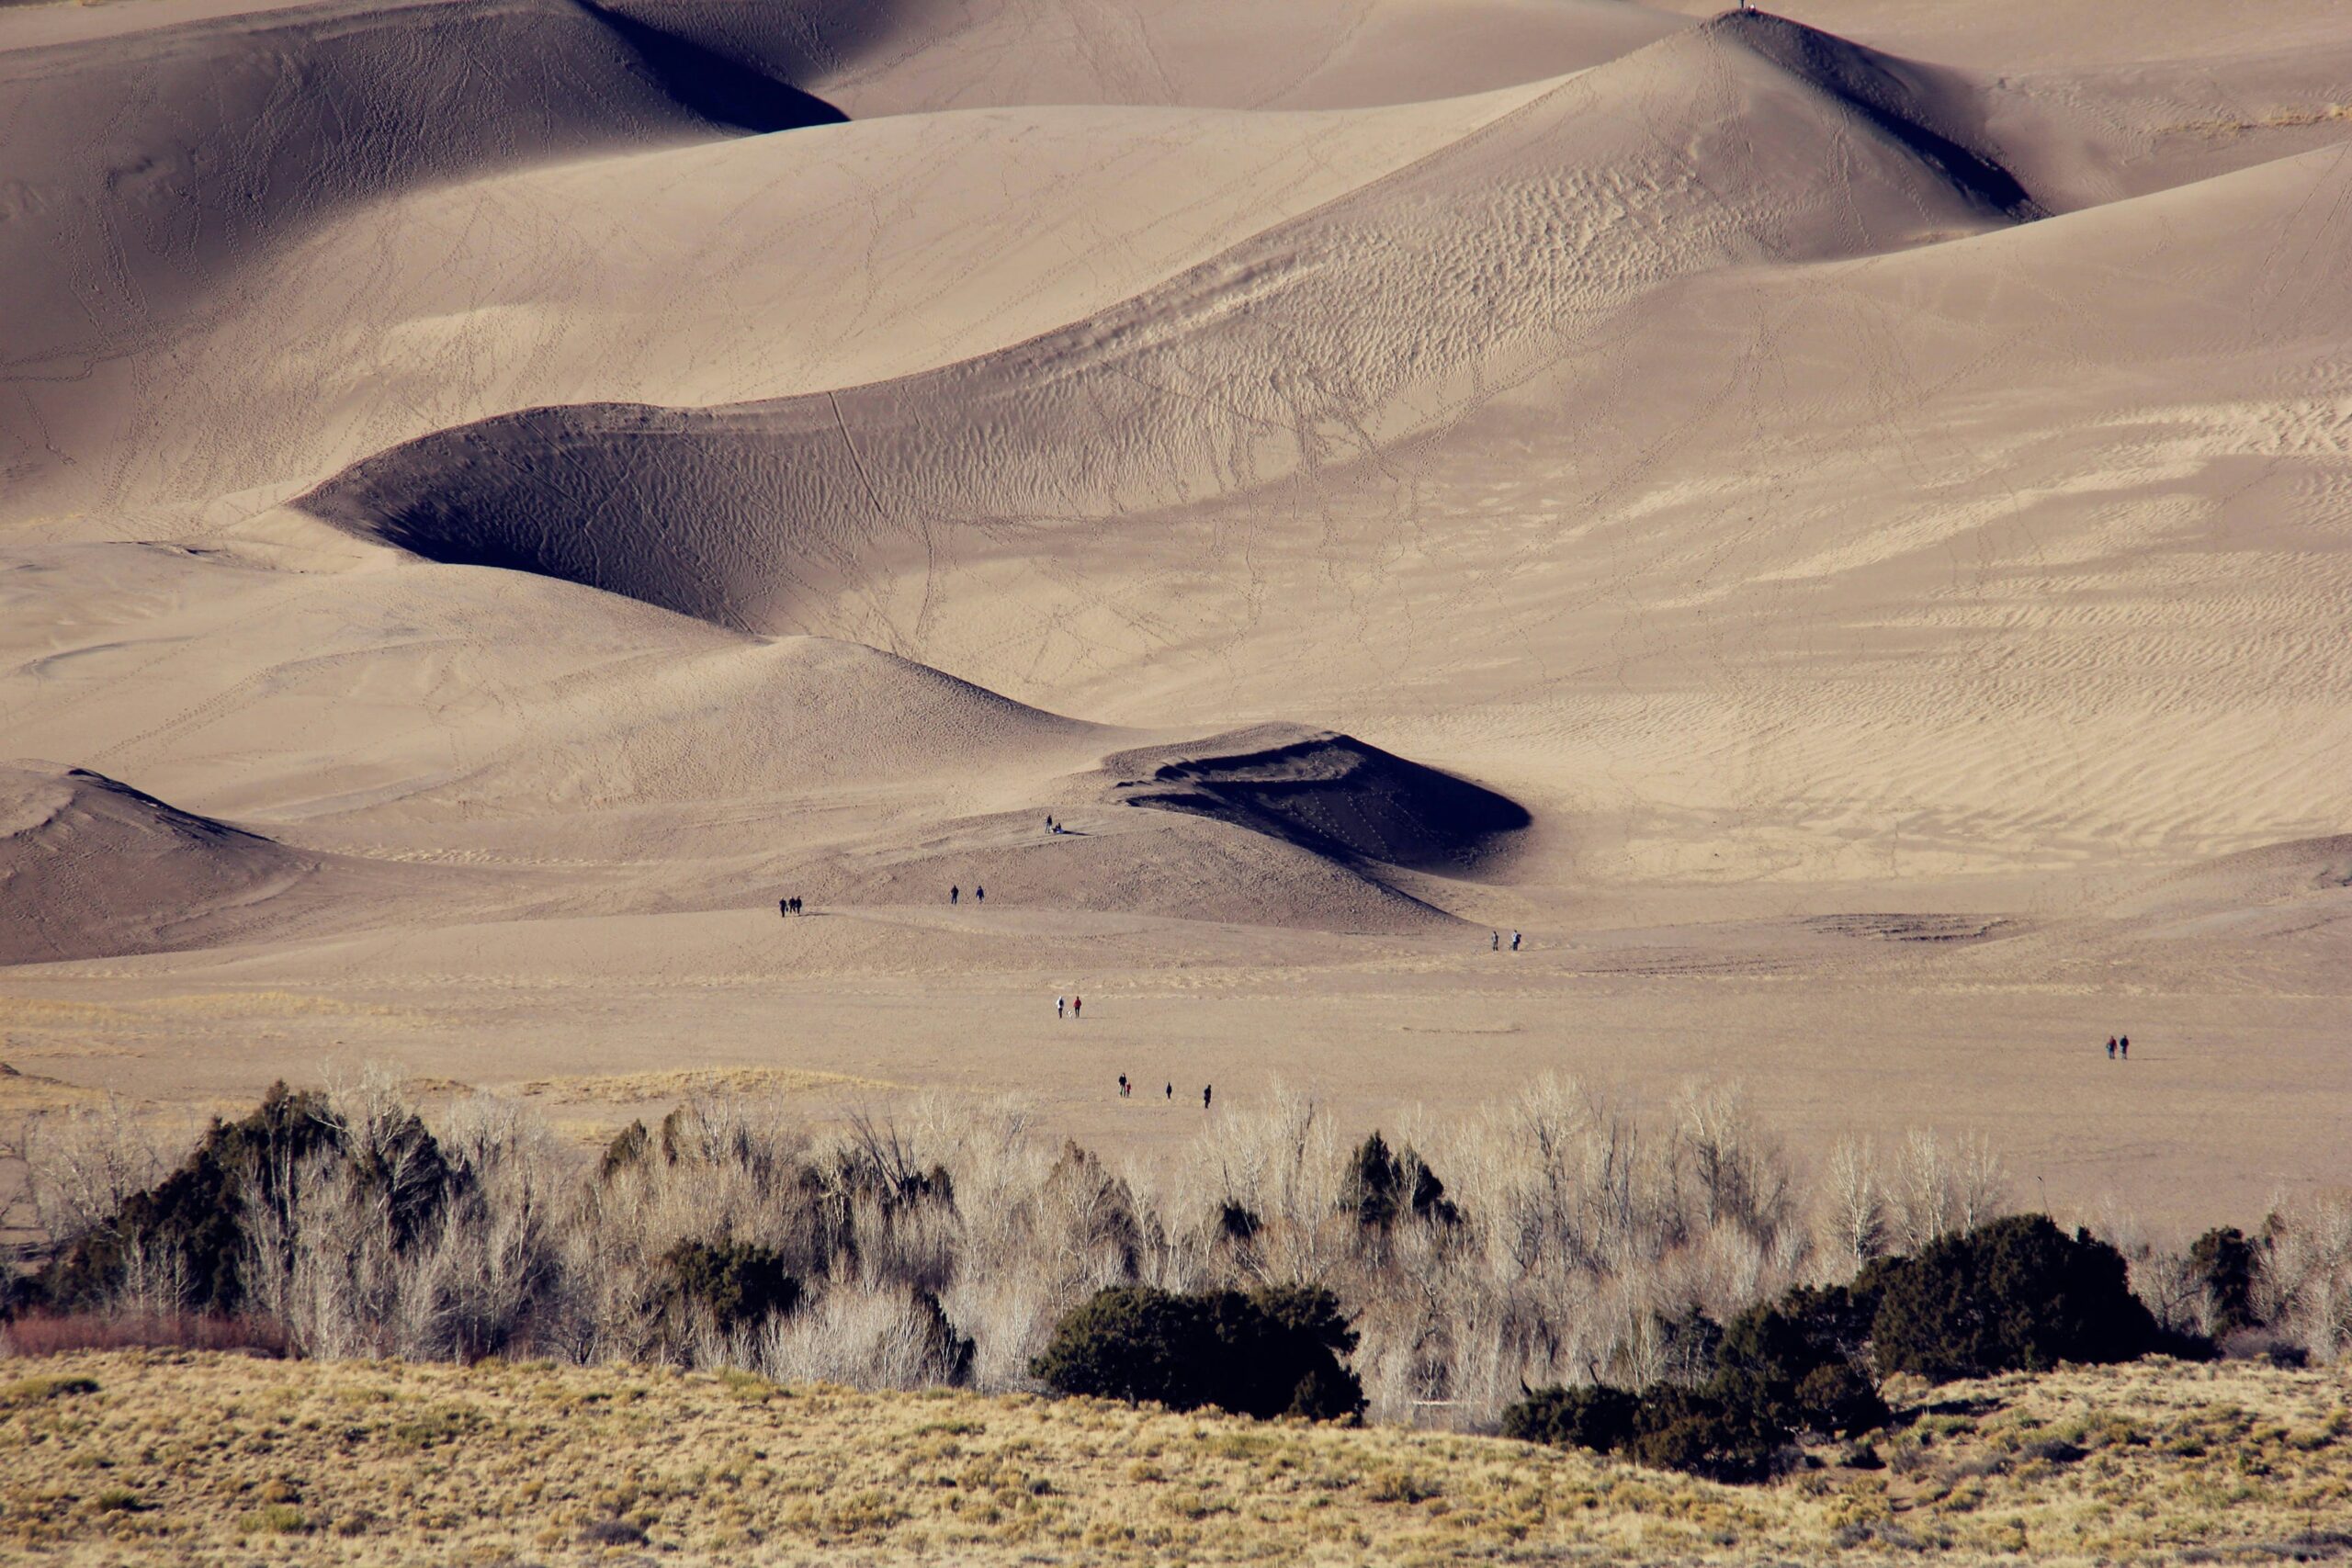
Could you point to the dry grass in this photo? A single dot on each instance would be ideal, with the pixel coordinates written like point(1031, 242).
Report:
point(163, 1457)
point(22, 1091)
point(632, 1088)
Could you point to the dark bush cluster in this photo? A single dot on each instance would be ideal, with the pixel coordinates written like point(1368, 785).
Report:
point(191, 1216)
point(2019, 1294)
point(2226, 1267)
point(740, 1285)
point(2016, 1294)
point(1381, 1187)
point(1272, 1352)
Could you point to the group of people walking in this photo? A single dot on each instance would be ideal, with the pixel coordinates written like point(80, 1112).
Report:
point(2119, 1045)
point(1495, 941)
point(1127, 1090)
point(956, 895)
point(1068, 1006)
point(787, 906)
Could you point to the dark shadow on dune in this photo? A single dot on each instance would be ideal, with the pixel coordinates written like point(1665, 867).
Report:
point(1931, 117)
point(710, 84)
point(1330, 794)
point(748, 515)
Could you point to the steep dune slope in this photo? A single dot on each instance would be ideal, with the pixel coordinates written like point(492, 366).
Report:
point(1332, 794)
point(829, 257)
point(1380, 317)
point(1227, 53)
point(90, 867)
point(512, 745)
point(145, 171)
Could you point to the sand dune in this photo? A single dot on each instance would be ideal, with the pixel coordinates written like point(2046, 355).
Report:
point(555, 282)
point(149, 170)
point(91, 867)
point(2307, 880)
point(1865, 501)
point(1467, 273)
point(1332, 794)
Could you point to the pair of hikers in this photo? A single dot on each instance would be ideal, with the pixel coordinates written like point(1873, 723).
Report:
point(1074, 1005)
point(955, 896)
point(787, 906)
point(1495, 941)
point(2119, 1044)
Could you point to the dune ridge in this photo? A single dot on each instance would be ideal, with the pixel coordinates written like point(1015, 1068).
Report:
point(90, 866)
point(761, 515)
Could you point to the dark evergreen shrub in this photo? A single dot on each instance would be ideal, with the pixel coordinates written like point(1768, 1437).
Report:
point(950, 1351)
point(1698, 1433)
point(1383, 1187)
point(1134, 1343)
point(1599, 1417)
point(1276, 1352)
point(191, 1217)
point(631, 1146)
point(2227, 1265)
point(1792, 1366)
point(737, 1282)
point(2016, 1294)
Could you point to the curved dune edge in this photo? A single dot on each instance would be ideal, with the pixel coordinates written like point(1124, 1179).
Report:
point(1380, 316)
point(90, 867)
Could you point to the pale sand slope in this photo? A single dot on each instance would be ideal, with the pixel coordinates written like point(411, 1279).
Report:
point(1377, 319)
point(1874, 599)
point(164, 171)
point(826, 258)
point(572, 752)
point(88, 866)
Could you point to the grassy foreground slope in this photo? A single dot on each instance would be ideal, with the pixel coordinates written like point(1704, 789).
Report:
point(173, 1457)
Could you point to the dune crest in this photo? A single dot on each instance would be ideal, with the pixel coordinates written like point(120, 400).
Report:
point(91, 867)
point(1513, 249)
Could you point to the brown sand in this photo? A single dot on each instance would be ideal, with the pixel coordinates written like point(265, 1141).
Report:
point(1837, 531)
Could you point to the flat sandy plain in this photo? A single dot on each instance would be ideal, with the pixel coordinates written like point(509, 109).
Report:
point(1837, 526)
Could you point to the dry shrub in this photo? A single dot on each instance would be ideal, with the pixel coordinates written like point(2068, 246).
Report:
point(2306, 1284)
point(58, 1334)
point(940, 1239)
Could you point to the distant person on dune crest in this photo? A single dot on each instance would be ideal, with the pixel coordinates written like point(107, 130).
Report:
point(1061, 1007)
point(2111, 1047)
point(1495, 941)
point(2123, 1047)
point(1207, 1090)
point(784, 905)
point(1171, 1092)
point(955, 896)
point(1514, 941)
point(1123, 1086)
point(980, 895)
point(1077, 1006)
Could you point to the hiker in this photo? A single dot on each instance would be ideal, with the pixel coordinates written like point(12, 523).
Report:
point(1514, 941)
point(2111, 1047)
point(2123, 1046)
point(1049, 824)
point(1171, 1092)
point(796, 907)
point(1123, 1086)
point(955, 896)
point(980, 895)
point(1077, 1006)
point(784, 905)
point(1495, 941)
point(1205, 1090)
point(1061, 1007)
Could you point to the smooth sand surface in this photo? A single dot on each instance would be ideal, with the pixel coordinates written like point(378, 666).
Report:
point(1836, 527)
